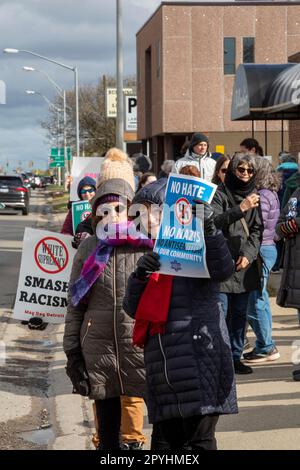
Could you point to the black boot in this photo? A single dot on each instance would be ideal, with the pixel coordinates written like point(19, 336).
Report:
point(296, 375)
point(240, 368)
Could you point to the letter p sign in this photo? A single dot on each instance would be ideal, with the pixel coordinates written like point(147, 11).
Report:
point(130, 114)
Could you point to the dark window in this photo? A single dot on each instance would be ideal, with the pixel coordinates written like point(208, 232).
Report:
point(229, 56)
point(248, 51)
point(10, 181)
point(158, 59)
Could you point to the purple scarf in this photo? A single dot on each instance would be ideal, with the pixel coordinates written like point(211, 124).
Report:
point(94, 266)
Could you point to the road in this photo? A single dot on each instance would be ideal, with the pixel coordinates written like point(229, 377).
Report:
point(37, 409)
point(39, 412)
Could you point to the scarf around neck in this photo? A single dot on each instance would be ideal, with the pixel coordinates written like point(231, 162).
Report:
point(237, 186)
point(123, 234)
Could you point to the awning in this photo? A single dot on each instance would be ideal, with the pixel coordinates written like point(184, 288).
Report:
point(266, 92)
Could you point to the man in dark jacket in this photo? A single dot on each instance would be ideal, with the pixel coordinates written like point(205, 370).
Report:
point(189, 370)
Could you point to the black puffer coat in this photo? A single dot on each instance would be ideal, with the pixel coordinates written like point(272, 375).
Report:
point(189, 369)
point(228, 219)
point(289, 292)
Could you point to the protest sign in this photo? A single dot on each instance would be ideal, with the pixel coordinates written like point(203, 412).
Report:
point(82, 167)
point(180, 242)
point(44, 276)
point(80, 211)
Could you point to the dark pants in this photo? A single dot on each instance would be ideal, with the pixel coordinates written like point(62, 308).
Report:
point(194, 433)
point(235, 310)
point(109, 419)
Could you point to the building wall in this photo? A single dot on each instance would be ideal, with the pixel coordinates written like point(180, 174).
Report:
point(150, 36)
point(195, 94)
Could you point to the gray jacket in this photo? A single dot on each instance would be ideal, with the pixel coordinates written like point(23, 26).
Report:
point(289, 292)
point(206, 164)
point(103, 330)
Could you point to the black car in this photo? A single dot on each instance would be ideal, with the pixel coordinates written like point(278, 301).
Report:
point(13, 193)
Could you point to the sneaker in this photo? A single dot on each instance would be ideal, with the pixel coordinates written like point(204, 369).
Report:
point(134, 445)
point(257, 358)
point(240, 368)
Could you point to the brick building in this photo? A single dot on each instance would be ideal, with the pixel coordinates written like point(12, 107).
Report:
point(187, 55)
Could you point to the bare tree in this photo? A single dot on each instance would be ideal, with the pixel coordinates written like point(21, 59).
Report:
point(97, 133)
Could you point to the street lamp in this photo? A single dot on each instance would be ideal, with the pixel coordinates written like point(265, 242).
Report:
point(120, 105)
point(62, 94)
point(73, 69)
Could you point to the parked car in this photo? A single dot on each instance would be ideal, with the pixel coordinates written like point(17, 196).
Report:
point(36, 183)
point(30, 176)
point(13, 193)
point(26, 181)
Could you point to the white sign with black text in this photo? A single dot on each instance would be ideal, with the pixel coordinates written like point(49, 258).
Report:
point(130, 113)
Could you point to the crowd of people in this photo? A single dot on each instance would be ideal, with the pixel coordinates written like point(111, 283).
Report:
point(134, 335)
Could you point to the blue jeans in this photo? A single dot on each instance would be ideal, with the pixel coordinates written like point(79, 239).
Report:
point(235, 310)
point(259, 310)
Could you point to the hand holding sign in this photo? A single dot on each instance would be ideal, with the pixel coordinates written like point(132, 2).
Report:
point(202, 210)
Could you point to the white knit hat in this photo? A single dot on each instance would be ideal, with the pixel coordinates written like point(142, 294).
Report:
point(117, 164)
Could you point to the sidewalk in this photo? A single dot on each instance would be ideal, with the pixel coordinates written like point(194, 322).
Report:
point(269, 399)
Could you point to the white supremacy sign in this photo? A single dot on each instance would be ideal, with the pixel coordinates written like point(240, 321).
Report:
point(46, 265)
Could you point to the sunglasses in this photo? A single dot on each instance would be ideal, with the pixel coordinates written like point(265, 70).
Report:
point(224, 171)
point(85, 191)
point(243, 170)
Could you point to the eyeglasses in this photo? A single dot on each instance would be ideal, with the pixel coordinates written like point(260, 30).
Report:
point(104, 210)
point(243, 170)
point(85, 191)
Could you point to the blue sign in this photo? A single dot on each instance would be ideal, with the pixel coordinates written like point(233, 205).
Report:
point(180, 242)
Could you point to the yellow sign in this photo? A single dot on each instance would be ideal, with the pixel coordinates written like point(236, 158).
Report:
point(220, 149)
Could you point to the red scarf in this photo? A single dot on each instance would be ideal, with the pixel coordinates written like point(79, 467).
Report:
point(153, 308)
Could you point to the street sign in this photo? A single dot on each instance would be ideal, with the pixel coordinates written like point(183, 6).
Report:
point(57, 164)
point(59, 153)
point(111, 101)
point(130, 113)
point(57, 157)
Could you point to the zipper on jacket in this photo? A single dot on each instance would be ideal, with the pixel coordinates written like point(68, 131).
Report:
point(86, 333)
point(166, 375)
point(115, 322)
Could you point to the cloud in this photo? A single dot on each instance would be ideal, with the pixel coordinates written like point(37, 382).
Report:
point(73, 32)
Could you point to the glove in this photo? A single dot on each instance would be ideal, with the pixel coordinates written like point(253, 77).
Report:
point(78, 238)
point(146, 265)
point(289, 228)
point(203, 210)
point(77, 373)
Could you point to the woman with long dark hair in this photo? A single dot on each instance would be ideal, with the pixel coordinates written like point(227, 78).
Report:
point(236, 214)
point(220, 170)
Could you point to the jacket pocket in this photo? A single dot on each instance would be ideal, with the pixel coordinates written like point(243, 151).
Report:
point(84, 337)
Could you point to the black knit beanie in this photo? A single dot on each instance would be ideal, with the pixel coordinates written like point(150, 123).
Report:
point(196, 138)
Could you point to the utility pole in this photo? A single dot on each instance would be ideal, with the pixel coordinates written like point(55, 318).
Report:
point(120, 104)
point(104, 84)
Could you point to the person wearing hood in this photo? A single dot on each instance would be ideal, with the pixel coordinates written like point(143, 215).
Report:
point(189, 370)
point(86, 191)
point(288, 170)
point(236, 212)
point(198, 154)
point(101, 362)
